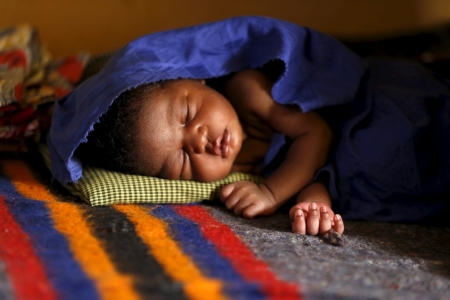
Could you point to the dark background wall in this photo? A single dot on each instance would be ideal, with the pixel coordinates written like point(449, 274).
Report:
point(68, 26)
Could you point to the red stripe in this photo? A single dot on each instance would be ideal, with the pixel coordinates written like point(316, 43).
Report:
point(242, 259)
point(23, 267)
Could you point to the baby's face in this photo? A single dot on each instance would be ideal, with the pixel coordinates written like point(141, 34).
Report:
point(188, 131)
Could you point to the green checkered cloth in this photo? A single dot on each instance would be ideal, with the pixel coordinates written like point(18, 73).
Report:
point(102, 187)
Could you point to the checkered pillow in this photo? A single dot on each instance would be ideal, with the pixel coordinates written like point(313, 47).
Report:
point(102, 187)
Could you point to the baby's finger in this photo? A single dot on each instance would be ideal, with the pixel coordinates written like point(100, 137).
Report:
point(325, 221)
point(226, 191)
point(338, 224)
point(298, 223)
point(312, 223)
point(293, 210)
point(241, 206)
point(231, 202)
point(251, 211)
point(233, 199)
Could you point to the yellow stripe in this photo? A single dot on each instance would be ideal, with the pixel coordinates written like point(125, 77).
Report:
point(176, 264)
point(69, 221)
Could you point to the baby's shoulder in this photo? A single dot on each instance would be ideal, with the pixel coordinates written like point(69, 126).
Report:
point(250, 91)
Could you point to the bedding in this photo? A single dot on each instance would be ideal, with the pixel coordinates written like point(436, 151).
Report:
point(29, 79)
point(390, 160)
point(103, 187)
point(54, 246)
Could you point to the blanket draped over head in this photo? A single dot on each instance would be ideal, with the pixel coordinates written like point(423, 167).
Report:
point(390, 161)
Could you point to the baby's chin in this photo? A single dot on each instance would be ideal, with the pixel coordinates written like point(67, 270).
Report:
point(213, 176)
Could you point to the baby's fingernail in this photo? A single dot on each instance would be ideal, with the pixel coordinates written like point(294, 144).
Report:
point(323, 209)
point(313, 206)
point(299, 213)
point(337, 217)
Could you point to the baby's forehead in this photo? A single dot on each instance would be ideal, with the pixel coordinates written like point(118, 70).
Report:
point(166, 90)
point(162, 88)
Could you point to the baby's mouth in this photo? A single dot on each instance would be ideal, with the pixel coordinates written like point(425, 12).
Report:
point(224, 146)
point(221, 144)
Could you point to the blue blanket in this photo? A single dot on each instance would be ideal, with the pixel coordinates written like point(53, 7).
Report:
point(390, 161)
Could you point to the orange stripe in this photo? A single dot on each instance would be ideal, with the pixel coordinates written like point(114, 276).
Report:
point(69, 221)
point(166, 251)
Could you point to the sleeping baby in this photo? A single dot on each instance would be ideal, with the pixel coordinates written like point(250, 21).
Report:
point(341, 136)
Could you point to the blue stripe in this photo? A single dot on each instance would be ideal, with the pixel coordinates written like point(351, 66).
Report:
point(205, 255)
point(63, 271)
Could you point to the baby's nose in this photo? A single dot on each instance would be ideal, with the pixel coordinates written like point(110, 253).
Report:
point(197, 139)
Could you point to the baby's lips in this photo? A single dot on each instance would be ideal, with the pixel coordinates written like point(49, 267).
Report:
point(220, 146)
point(225, 144)
point(217, 146)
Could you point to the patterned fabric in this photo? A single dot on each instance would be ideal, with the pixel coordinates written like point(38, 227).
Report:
point(52, 247)
point(22, 60)
point(103, 187)
point(29, 79)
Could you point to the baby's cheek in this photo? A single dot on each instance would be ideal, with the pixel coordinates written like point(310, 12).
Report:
point(210, 169)
point(244, 168)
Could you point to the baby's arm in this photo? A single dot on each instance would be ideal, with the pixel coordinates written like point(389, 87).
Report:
point(310, 138)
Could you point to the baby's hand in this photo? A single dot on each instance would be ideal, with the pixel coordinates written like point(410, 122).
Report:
point(314, 218)
point(248, 199)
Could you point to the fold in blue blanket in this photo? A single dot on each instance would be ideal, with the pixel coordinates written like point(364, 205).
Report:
point(391, 159)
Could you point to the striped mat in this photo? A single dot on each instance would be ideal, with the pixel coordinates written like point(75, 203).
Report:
point(53, 246)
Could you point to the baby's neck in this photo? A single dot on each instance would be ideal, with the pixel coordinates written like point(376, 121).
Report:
point(251, 156)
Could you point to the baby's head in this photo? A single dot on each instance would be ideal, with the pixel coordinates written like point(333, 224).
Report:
point(176, 129)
